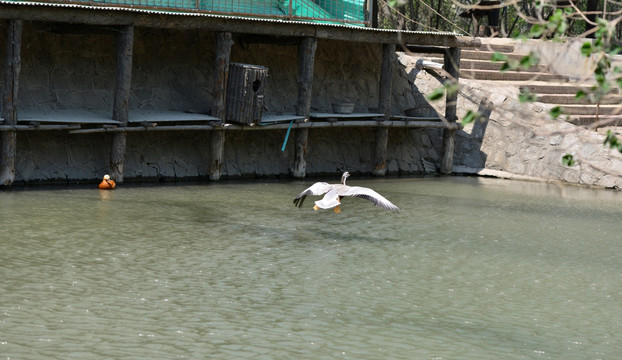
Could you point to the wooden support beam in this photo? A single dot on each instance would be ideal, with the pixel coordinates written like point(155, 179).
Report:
point(125, 50)
point(224, 42)
point(452, 66)
point(386, 78)
point(380, 151)
point(8, 138)
point(384, 107)
point(306, 63)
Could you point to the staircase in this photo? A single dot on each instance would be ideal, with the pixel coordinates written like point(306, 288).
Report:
point(539, 80)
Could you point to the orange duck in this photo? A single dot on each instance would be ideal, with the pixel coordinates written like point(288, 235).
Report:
point(107, 183)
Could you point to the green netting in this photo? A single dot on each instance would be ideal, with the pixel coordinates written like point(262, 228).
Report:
point(265, 7)
point(325, 11)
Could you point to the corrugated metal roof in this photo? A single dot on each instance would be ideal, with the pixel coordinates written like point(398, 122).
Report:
point(211, 15)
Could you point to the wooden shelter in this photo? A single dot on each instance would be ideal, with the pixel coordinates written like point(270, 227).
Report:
point(121, 120)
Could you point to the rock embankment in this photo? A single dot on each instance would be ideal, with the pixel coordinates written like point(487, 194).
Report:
point(521, 140)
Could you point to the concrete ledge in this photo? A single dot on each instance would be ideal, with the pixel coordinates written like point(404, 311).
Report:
point(496, 174)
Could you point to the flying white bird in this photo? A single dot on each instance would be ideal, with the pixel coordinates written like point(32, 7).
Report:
point(334, 193)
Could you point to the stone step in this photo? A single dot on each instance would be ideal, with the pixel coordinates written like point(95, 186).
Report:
point(593, 120)
point(511, 76)
point(553, 89)
point(591, 109)
point(497, 48)
point(569, 99)
point(467, 64)
point(484, 55)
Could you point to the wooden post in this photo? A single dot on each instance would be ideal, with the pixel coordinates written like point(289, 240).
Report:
point(224, 42)
point(384, 107)
point(306, 62)
point(120, 110)
point(8, 138)
point(452, 66)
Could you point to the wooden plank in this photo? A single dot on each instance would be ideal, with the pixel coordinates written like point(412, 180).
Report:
point(452, 66)
point(66, 117)
point(275, 119)
point(316, 115)
point(8, 138)
point(224, 42)
point(120, 112)
point(158, 116)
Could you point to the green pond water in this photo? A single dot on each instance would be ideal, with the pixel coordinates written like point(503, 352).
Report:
point(470, 268)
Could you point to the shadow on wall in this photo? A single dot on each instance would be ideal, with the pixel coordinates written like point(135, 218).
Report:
point(423, 81)
point(472, 155)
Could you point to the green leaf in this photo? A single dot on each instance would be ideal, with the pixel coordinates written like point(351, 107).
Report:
point(469, 117)
point(528, 61)
point(536, 31)
point(437, 94)
point(497, 56)
point(505, 67)
point(568, 160)
point(555, 112)
point(580, 94)
point(612, 140)
point(451, 88)
point(586, 49)
point(526, 96)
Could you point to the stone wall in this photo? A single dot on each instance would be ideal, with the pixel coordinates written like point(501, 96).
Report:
point(519, 141)
point(74, 67)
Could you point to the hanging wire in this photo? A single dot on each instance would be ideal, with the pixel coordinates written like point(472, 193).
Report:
point(383, 2)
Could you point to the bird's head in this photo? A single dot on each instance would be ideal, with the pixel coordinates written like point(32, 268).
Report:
point(106, 177)
point(344, 177)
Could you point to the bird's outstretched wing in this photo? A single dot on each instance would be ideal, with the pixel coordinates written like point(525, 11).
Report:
point(368, 194)
point(316, 189)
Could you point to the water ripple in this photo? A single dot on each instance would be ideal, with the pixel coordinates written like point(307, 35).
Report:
point(466, 270)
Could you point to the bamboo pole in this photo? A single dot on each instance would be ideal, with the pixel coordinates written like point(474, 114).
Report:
point(8, 138)
point(452, 66)
point(410, 124)
point(125, 46)
point(39, 127)
point(384, 107)
point(306, 62)
point(224, 42)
